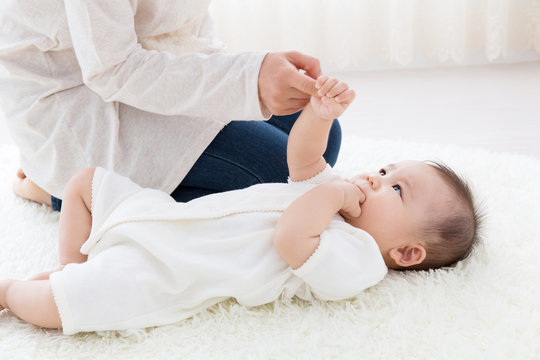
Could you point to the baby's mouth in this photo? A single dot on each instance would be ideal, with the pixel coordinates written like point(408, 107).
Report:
point(363, 193)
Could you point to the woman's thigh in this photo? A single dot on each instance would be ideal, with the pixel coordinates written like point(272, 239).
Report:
point(245, 153)
point(285, 123)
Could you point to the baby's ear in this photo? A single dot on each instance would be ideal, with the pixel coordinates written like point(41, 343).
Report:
point(408, 255)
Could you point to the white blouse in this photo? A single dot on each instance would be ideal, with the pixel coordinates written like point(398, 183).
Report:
point(138, 87)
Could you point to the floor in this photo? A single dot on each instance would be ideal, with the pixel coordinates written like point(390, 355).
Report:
point(494, 107)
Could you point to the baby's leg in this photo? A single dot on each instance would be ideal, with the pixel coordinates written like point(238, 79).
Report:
point(75, 217)
point(32, 301)
point(75, 221)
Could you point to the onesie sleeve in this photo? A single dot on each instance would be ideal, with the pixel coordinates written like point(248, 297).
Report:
point(327, 175)
point(346, 262)
point(115, 66)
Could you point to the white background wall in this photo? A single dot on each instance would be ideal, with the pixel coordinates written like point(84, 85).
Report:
point(353, 35)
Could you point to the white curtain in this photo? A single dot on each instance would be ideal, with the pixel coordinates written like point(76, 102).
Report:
point(350, 35)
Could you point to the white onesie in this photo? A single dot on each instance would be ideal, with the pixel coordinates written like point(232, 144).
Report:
point(152, 261)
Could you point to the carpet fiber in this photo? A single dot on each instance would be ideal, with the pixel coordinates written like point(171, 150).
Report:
point(487, 307)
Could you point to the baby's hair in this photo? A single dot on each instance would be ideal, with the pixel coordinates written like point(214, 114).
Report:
point(451, 236)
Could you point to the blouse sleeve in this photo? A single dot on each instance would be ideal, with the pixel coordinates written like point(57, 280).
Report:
point(115, 66)
point(346, 262)
point(208, 31)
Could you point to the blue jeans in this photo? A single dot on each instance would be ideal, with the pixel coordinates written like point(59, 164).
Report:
point(244, 153)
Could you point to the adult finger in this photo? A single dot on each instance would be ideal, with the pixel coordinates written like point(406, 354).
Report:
point(310, 64)
point(293, 93)
point(303, 83)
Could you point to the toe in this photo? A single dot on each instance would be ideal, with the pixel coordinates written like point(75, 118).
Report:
point(21, 174)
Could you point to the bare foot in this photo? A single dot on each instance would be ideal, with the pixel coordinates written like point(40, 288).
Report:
point(27, 189)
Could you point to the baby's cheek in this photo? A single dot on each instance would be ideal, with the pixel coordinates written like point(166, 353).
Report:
point(368, 216)
point(381, 211)
point(359, 178)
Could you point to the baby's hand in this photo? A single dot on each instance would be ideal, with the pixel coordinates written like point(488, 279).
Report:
point(354, 197)
point(334, 97)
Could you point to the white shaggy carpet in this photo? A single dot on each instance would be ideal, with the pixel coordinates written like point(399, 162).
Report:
point(485, 308)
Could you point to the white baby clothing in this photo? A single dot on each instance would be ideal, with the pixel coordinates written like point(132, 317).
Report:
point(138, 87)
point(152, 261)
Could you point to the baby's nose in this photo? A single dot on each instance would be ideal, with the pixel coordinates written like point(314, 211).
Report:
point(374, 181)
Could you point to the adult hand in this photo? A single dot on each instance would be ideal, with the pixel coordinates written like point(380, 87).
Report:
point(283, 89)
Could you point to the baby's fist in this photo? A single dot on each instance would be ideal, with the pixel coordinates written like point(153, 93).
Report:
point(353, 198)
point(334, 97)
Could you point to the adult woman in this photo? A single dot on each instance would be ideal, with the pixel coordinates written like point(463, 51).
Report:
point(143, 88)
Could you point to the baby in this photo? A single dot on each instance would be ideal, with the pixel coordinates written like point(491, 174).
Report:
point(132, 257)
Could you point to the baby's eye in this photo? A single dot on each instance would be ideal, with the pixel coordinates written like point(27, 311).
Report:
point(382, 172)
point(398, 189)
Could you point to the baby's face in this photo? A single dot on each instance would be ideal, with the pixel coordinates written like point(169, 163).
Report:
point(399, 197)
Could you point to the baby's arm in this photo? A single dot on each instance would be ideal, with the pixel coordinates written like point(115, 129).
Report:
point(309, 136)
point(298, 230)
